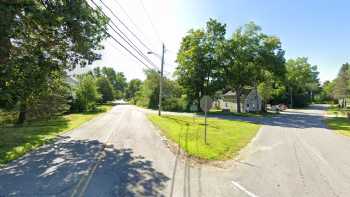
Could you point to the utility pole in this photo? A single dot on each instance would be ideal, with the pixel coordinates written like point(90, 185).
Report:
point(161, 82)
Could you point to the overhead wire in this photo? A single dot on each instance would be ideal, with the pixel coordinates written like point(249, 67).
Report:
point(126, 27)
point(125, 39)
point(128, 16)
point(150, 20)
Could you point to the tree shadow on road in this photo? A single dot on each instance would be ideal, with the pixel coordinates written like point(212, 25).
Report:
point(57, 169)
point(290, 120)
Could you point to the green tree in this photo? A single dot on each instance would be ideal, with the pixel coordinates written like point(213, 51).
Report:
point(121, 85)
point(97, 72)
point(300, 73)
point(342, 82)
point(117, 80)
point(198, 62)
point(105, 89)
point(133, 87)
point(40, 39)
point(327, 91)
point(148, 96)
point(86, 93)
point(250, 58)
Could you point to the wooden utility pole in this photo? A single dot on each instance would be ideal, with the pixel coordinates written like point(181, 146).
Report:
point(161, 82)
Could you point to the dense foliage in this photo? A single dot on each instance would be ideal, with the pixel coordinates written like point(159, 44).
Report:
point(86, 92)
point(148, 96)
point(40, 41)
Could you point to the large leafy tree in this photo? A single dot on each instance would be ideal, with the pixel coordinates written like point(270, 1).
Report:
point(250, 58)
point(40, 40)
point(198, 60)
point(117, 79)
point(327, 91)
point(342, 82)
point(299, 74)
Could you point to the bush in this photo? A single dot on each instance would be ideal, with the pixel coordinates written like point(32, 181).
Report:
point(87, 95)
point(105, 88)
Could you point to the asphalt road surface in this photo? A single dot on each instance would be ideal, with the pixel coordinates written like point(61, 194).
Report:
point(120, 153)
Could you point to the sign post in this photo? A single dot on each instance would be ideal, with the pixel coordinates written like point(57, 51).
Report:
point(206, 103)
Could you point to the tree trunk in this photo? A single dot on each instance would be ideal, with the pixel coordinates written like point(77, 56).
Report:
point(238, 99)
point(22, 114)
point(263, 106)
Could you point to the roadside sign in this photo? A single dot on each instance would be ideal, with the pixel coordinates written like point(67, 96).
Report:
point(206, 103)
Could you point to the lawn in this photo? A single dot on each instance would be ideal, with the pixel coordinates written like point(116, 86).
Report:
point(224, 137)
point(15, 141)
point(339, 124)
point(334, 110)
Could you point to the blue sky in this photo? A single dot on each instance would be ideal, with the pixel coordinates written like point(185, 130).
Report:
point(318, 30)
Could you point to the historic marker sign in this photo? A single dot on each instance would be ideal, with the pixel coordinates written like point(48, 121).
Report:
point(206, 103)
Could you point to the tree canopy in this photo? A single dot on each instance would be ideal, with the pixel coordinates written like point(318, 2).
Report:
point(41, 41)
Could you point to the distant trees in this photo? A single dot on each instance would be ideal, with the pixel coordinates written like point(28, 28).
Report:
point(39, 41)
point(301, 81)
point(133, 87)
point(148, 95)
point(341, 87)
point(327, 92)
point(105, 89)
point(209, 62)
point(86, 92)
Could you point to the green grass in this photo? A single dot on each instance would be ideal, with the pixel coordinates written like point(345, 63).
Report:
point(334, 110)
point(242, 114)
point(224, 137)
point(340, 124)
point(15, 140)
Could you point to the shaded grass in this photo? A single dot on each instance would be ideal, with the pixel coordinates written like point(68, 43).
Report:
point(340, 124)
point(225, 138)
point(16, 140)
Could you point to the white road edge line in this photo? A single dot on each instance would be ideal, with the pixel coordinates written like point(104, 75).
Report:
point(240, 187)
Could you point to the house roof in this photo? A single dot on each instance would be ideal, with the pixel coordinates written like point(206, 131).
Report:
point(230, 93)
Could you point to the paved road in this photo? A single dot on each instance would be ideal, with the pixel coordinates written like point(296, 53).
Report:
point(121, 154)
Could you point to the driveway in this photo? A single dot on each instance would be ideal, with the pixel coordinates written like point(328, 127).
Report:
point(121, 154)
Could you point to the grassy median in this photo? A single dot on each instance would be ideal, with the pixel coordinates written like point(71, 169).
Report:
point(224, 137)
point(15, 141)
point(340, 124)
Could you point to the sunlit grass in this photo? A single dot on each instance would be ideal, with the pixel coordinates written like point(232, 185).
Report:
point(335, 111)
point(225, 138)
point(339, 124)
point(15, 141)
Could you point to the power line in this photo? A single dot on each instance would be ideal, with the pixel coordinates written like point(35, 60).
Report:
point(130, 19)
point(129, 51)
point(150, 20)
point(129, 41)
point(122, 44)
point(126, 27)
point(125, 38)
point(117, 49)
